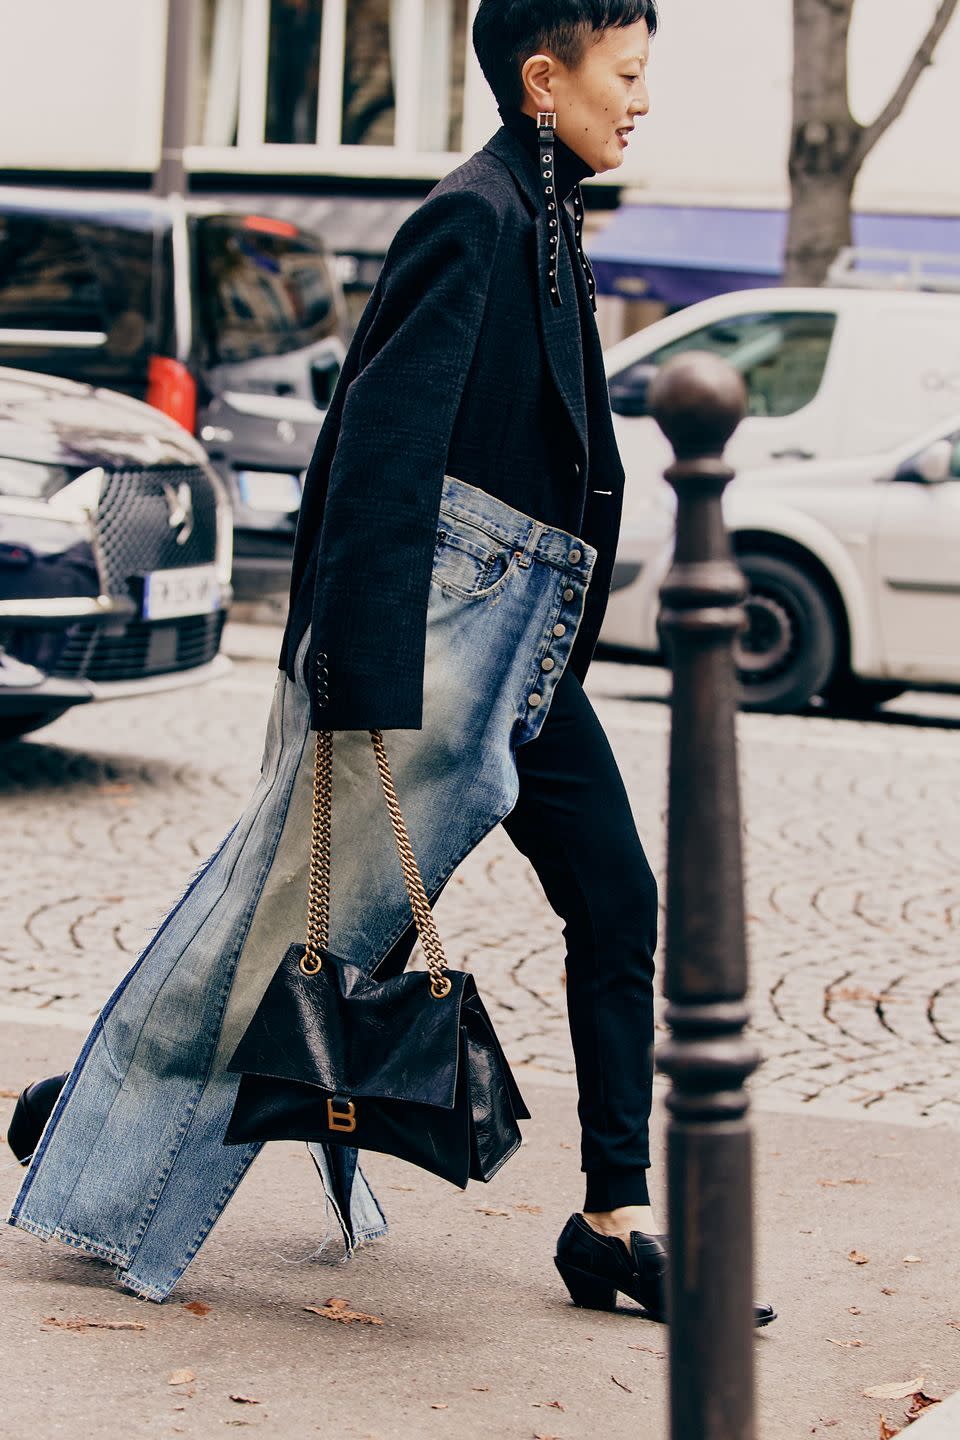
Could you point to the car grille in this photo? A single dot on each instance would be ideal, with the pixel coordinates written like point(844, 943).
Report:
point(134, 524)
point(141, 649)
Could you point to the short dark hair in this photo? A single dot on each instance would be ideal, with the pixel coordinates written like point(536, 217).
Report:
point(508, 32)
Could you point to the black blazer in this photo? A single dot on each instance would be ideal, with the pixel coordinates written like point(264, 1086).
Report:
point(461, 365)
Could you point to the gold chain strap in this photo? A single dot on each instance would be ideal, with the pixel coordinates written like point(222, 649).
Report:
point(318, 893)
point(318, 899)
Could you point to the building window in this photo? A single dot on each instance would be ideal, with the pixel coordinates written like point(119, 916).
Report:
point(335, 73)
point(369, 102)
point(293, 72)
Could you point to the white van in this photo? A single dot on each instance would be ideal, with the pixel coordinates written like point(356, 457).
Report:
point(830, 373)
point(853, 574)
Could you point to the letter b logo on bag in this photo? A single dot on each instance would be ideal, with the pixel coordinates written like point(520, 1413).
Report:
point(343, 1119)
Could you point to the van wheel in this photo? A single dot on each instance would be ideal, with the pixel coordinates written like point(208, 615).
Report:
point(846, 695)
point(788, 651)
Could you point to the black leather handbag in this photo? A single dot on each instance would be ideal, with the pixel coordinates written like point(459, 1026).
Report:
point(410, 1066)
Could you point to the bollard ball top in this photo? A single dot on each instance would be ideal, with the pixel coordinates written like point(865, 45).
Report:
point(698, 400)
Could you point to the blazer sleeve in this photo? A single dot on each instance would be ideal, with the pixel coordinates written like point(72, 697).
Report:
point(378, 535)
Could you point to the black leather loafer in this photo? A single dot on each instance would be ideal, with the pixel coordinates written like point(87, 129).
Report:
point(595, 1267)
point(31, 1113)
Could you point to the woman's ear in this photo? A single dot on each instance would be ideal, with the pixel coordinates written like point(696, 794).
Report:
point(537, 75)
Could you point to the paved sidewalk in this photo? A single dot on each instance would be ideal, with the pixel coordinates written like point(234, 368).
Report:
point(477, 1339)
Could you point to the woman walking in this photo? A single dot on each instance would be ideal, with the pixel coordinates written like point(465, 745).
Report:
point(452, 565)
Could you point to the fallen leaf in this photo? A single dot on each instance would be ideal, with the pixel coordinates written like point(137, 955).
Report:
point(898, 1390)
point(529, 1209)
point(541, 1434)
point(885, 1290)
point(846, 1344)
point(954, 1324)
point(181, 1377)
point(549, 1405)
point(81, 1322)
point(244, 1400)
point(886, 1433)
point(918, 1403)
point(481, 1388)
point(834, 1184)
point(913, 1259)
point(854, 1310)
point(621, 1384)
point(10, 1094)
point(198, 1308)
point(857, 992)
point(806, 1232)
point(648, 1350)
point(565, 1145)
point(491, 1210)
point(858, 1258)
point(402, 1187)
point(339, 1309)
point(439, 1407)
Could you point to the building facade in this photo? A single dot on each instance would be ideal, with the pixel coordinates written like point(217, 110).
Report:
point(348, 110)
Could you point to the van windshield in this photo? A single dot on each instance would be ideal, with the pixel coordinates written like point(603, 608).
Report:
point(266, 288)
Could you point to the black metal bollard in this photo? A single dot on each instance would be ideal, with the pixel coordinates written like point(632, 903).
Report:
point(698, 401)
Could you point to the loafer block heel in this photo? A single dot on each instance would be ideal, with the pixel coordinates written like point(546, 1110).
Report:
point(590, 1292)
point(31, 1113)
point(596, 1267)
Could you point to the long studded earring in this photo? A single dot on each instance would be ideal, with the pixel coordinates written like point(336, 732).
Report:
point(547, 132)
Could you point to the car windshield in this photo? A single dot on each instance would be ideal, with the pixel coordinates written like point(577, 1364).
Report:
point(266, 288)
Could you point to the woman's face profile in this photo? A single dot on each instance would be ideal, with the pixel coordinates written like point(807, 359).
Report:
point(598, 102)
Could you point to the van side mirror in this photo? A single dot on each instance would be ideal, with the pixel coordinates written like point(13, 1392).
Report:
point(629, 390)
point(932, 466)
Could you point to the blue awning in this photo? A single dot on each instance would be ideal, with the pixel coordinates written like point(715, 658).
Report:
point(682, 253)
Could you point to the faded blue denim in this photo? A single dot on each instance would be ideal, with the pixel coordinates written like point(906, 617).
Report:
point(131, 1166)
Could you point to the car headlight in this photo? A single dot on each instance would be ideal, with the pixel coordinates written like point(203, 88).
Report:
point(30, 481)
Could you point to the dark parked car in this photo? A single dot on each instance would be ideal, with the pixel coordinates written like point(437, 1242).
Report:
point(115, 550)
point(230, 323)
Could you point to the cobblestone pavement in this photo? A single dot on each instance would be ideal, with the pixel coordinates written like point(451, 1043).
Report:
point(853, 853)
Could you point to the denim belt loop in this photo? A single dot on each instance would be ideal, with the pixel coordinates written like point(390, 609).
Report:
point(533, 540)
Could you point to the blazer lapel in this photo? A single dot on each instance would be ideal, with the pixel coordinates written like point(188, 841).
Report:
point(560, 324)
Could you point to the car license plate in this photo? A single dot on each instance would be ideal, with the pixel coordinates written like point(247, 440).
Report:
point(169, 593)
point(269, 490)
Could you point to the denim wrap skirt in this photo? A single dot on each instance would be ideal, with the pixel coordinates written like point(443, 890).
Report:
point(132, 1166)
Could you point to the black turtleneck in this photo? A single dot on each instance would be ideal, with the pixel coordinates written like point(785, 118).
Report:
point(564, 495)
point(570, 169)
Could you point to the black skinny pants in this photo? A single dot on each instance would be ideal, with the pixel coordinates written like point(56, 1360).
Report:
point(573, 822)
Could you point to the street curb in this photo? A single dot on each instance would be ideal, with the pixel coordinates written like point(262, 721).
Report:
point(941, 1422)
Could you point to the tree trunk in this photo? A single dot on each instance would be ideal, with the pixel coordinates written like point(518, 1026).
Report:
point(827, 145)
point(823, 142)
point(820, 222)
